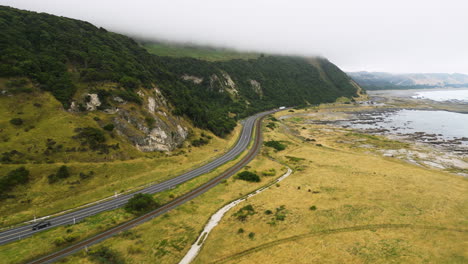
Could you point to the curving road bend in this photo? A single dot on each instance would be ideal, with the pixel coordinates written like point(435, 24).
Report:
point(75, 216)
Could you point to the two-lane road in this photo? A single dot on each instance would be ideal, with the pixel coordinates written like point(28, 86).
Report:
point(75, 216)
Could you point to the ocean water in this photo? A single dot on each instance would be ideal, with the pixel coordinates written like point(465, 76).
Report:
point(446, 125)
point(444, 95)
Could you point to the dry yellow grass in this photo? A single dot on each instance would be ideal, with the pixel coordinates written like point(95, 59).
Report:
point(165, 239)
point(110, 177)
point(369, 210)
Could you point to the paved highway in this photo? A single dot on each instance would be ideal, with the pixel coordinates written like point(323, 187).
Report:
point(75, 216)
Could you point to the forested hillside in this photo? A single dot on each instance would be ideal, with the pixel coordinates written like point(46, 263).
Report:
point(64, 56)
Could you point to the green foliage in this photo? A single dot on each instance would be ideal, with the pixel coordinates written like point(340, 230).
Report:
point(268, 212)
point(251, 235)
point(280, 214)
point(141, 203)
point(275, 144)
point(248, 176)
point(16, 121)
point(129, 82)
point(240, 231)
point(17, 86)
point(91, 136)
point(13, 178)
point(294, 159)
point(270, 172)
point(150, 121)
point(56, 53)
point(200, 142)
point(271, 125)
point(109, 127)
point(313, 208)
point(244, 212)
point(105, 255)
point(62, 173)
point(60, 241)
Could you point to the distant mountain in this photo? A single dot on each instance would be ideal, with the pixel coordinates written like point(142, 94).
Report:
point(383, 80)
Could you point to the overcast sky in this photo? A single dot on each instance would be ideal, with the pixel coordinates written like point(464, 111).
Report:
point(372, 35)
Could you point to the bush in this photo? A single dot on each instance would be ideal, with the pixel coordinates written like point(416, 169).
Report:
point(109, 127)
point(200, 142)
point(240, 231)
point(105, 255)
point(150, 121)
point(313, 208)
point(91, 136)
point(141, 203)
point(248, 176)
point(268, 212)
point(62, 173)
point(244, 212)
point(13, 178)
point(275, 144)
point(251, 235)
point(129, 82)
point(271, 125)
point(16, 121)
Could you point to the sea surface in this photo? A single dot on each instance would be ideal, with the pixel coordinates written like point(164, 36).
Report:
point(444, 95)
point(443, 124)
point(459, 95)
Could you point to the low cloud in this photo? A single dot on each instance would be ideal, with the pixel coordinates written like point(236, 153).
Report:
point(393, 36)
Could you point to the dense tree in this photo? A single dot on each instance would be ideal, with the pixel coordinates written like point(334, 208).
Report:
point(57, 53)
point(141, 203)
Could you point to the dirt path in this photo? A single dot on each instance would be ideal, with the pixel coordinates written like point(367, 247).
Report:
point(215, 218)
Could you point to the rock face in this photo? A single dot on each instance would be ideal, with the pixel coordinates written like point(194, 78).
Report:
point(161, 134)
point(194, 79)
point(156, 130)
point(223, 84)
point(92, 102)
point(256, 87)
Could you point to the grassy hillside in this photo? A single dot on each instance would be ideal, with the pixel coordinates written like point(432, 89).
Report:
point(58, 54)
point(196, 52)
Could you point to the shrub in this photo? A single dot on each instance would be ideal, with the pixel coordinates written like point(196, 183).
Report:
point(313, 208)
point(62, 173)
point(268, 212)
point(248, 176)
point(105, 255)
point(91, 136)
point(244, 212)
point(280, 213)
point(270, 172)
point(109, 127)
point(129, 82)
point(13, 178)
point(16, 121)
point(141, 203)
point(150, 121)
point(275, 144)
point(200, 142)
point(240, 231)
point(271, 125)
point(251, 235)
